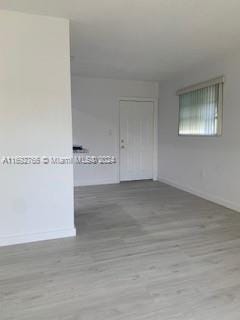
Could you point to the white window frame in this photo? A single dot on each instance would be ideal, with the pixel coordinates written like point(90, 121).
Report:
point(201, 85)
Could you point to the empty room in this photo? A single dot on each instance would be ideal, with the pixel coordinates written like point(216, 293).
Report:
point(119, 160)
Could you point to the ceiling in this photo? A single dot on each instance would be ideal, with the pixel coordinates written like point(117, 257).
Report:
point(141, 39)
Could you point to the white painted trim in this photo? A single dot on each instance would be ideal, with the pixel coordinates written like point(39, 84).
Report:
point(200, 85)
point(222, 202)
point(155, 142)
point(96, 182)
point(155, 129)
point(39, 236)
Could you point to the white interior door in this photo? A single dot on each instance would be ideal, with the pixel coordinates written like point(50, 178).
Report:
point(136, 140)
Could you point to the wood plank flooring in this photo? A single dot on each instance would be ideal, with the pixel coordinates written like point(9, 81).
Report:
point(144, 251)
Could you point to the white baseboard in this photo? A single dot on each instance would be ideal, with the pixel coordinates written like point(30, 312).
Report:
point(40, 236)
point(96, 182)
point(222, 202)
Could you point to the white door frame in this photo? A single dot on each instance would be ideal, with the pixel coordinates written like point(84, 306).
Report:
point(155, 132)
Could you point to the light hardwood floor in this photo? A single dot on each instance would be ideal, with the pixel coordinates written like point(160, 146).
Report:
point(144, 251)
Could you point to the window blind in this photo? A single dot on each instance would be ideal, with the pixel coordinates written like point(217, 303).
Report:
point(200, 110)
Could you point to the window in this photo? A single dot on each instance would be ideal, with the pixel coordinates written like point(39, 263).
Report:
point(200, 109)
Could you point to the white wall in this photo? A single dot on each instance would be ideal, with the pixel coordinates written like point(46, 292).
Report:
point(205, 166)
point(96, 122)
point(35, 108)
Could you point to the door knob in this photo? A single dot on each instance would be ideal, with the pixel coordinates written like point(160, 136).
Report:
point(122, 147)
